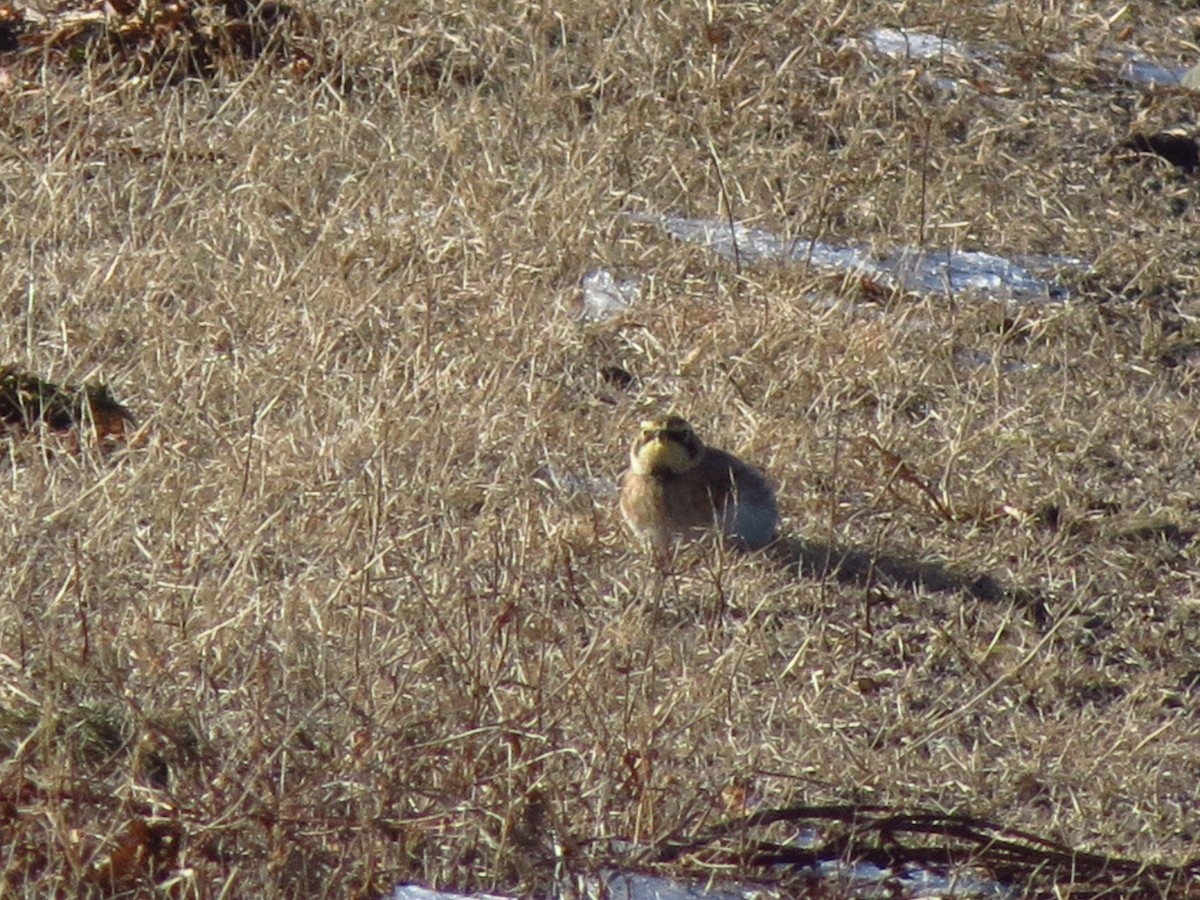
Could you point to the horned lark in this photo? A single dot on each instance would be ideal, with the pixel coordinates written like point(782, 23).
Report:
point(677, 487)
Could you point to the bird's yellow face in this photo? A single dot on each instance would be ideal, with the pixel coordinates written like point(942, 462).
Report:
point(665, 445)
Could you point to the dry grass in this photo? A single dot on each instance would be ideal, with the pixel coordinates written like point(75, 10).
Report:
point(326, 624)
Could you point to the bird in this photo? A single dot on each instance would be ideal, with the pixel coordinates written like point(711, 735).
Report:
point(676, 487)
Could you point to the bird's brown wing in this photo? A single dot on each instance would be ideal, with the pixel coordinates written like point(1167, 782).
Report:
point(741, 499)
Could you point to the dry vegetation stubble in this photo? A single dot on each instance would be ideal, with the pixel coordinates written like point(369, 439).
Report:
point(328, 610)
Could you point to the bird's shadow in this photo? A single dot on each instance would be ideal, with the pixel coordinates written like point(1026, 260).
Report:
point(851, 565)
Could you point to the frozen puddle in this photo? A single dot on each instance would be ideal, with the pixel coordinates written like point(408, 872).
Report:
point(923, 271)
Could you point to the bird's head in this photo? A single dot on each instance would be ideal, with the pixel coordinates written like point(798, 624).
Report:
point(665, 445)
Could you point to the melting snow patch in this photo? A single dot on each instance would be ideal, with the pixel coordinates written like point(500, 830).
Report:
point(926, 271)
point(619, 886)
point(1133, 66)
point(413, 892)
point(971, 359)
point(914, 44)
point(853, 881)
point(613, 886)
point(572, 483)
point(605, 296)
point(952, 271)
point(1137, 68)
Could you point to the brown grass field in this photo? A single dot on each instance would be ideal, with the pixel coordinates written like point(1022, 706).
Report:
point(316, 628)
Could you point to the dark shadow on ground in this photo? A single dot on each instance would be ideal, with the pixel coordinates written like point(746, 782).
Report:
point(849, 565)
